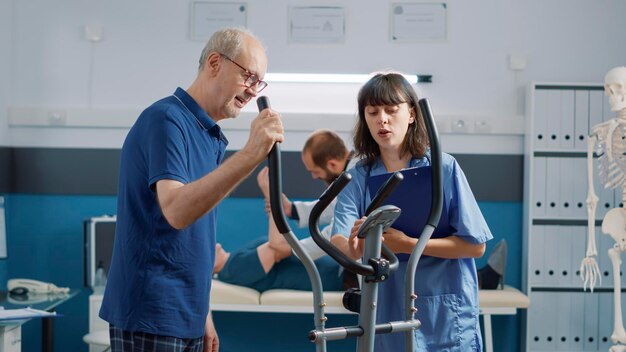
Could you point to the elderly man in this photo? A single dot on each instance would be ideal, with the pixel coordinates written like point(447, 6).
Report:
point(171, 179)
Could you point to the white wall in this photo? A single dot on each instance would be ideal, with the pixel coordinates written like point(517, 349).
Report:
point(146, 53)
point(6, 8)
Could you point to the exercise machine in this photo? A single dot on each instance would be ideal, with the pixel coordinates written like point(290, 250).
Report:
point(378, 260)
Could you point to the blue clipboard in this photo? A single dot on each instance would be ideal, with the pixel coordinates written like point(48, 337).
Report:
point(413, 196)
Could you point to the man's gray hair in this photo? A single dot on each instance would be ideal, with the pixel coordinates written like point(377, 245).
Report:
point(226, 41)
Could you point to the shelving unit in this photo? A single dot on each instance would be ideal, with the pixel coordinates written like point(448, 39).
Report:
point(562, 317)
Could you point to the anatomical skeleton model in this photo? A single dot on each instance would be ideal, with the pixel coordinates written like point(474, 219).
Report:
point(609, 141)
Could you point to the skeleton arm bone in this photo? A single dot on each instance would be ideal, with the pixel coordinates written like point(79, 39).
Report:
point(589, 269)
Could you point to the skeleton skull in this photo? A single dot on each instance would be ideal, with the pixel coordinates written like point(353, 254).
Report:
point(615, 88)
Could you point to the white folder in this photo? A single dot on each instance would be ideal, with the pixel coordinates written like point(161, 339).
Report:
point(596, 107)
point(604, 242)
point(581, 120)
point(577, 316)
point(580, 185)
point(565, 239)
point(567, 115)
point(553, 177)
point(563, 318)
point(552, 245)
point(566, 205)
point(553, 116)
point(536, 270)
point(605, 320)
point(539, 187)
point(579, 250)
point(590, 323)
point(540, 122)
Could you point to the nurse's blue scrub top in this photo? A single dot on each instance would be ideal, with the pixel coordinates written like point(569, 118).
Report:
point(447, 289)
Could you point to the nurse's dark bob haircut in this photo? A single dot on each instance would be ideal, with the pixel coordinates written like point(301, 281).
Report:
point(389, 89)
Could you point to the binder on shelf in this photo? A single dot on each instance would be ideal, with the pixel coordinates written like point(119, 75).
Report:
point(579, 176)
point(605, 320)
point(606, 195)
point(581, 120)
point(606, 109)
point(553, 114)
point(576, 328)
point(567, 117)
point(590, 323)
point(553, 180)
point(540, 122)
point(596, 108)
point(564, 269)
point(563, 319)
point(539, 176)
point(535, 328)
point(553, 249)
point(604, 242)
point(566, 204)
point(550, 316)
point(579, 249)
point(537, 272)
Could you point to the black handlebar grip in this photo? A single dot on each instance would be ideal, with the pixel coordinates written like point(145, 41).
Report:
point(263, 103)
point(325, 199)
point(276, 188)
point(435, 154)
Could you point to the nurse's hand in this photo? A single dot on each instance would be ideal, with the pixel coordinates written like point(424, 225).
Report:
point(356, 244)
point(398, 242)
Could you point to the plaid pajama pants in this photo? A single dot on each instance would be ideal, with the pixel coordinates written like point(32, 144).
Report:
point(126, 341)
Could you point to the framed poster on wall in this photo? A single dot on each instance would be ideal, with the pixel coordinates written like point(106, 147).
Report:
point(207, 17)
point(419, 22)
point(317, 24)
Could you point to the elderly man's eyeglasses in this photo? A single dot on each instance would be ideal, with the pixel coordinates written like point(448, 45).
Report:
point(251, 79)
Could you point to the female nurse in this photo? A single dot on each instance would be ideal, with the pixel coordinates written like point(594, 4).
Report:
point(390, 135)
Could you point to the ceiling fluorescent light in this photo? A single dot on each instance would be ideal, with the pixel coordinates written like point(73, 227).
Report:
point(333, 78)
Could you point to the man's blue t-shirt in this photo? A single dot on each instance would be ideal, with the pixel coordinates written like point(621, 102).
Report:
point(160, 278)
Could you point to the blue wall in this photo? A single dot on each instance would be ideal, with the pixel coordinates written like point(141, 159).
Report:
point(45, 242)
point(505, 221)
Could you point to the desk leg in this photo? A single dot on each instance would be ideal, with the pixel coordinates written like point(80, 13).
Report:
point(488, 334)
point(47, 334)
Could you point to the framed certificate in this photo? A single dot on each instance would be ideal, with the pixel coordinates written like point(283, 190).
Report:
point(418, 22)
point(208, 17)
point(317, 24)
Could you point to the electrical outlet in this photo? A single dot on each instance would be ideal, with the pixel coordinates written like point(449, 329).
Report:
point(517, 62)
point(459, 126)
point(443, 126)
point(94, 32)
point(482, 126)
point(57, 117)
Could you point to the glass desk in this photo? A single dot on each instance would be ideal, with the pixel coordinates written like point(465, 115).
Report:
point(41, 301)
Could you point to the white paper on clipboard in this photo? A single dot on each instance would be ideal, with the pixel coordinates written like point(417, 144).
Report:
point(24, 313)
